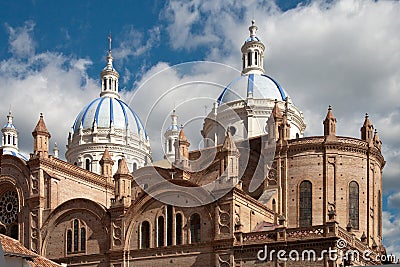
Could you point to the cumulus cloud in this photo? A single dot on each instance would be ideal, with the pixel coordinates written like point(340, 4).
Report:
point(135, 43)
point(20, 39)
point(52, 83)
point(344, 53)
point(340, 53)
point(391, 233)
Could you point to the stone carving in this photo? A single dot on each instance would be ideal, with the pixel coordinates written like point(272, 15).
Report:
point(117, 233)
point(224, 219)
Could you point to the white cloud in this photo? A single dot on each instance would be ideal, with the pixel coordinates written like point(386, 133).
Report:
point(20, 39)
point(391, 233)
point(52, 83)
point(342, 54)
point(135, 43)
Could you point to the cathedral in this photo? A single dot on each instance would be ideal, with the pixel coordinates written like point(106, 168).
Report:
point(260, 192)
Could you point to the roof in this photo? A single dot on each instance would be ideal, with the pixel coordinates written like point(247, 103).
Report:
point(14, 248)
point(41, 127)
point(259, 86)
point(106, 112)
point(14, 153)
point(122, 167)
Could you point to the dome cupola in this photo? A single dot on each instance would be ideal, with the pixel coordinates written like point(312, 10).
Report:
point(247, 102)
point(108, 121)
point(10, 138)
point(253, 53)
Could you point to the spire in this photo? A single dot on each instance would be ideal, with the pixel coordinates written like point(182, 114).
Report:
point(109, 76)
point(55, 150)
point(122, 167)
point(106, 164)
point(171, 135)
point(182, 137)
point(182, 149)
point(274, 121)
point(367, 129)
point(229, 145)
point(41, 128)
point(9, 118)
point(329, 124)
point(41, 138)
point(377, 140)
point(253, 53)
point(284, 128)
point(174, 119)
point(122, 190)
point(253, 29)
point(276, 112)
point(106, 155)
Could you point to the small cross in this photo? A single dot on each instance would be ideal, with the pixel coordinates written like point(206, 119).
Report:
point(109, 42)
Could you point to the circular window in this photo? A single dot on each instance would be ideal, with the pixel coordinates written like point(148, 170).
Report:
point(8, 207)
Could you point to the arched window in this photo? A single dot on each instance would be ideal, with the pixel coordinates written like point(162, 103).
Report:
point(109, 84)
point(169, 225)
point(69, 241)
point(353, 204)
point(160, 231)
point(83, 239)
point(105, 83)
point(145, 235)
point(134, 166)
point(195, 228)
point(76, 235)
point(169, 145)
point(178, 225)
point(256, 58)
point(9, 139)
point(305, 218)
point(379, 213)
point(244, 62)
point(248, 59)
point(87, 164)
point(14, 143)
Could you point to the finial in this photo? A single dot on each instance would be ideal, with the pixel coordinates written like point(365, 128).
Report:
point(253, 28)
point(330, 107)
point(41, 115)
point(109, 42)
point(366, 115)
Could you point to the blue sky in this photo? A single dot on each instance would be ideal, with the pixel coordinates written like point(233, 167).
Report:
point(340, 53)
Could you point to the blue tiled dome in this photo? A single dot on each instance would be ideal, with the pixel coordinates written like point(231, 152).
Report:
point(107, 111)
point(14, 153)
point(260, 86)
point(252, 39)
point(9, 125)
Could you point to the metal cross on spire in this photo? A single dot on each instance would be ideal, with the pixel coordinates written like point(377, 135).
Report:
point(109, 41)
